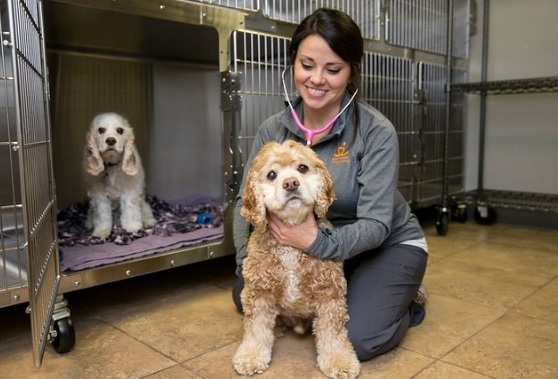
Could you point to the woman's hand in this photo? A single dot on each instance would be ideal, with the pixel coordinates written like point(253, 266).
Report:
point(300, 236)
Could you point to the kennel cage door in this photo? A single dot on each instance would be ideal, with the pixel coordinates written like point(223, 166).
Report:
point(24, 50)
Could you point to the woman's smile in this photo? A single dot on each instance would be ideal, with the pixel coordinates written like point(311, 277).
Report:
point(320, 77)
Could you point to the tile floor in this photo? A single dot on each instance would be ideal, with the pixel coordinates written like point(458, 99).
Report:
point(492, 313)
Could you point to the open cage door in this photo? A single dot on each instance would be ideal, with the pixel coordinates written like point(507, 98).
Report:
point(26, 95)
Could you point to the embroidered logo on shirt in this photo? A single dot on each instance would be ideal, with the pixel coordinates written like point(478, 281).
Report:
point(340, 156)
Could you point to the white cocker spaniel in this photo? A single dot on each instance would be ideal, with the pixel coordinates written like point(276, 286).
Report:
point(290, 181)
point(115, 177)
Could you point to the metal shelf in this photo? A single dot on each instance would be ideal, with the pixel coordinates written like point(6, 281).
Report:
point(525, 201)
point(508, 87)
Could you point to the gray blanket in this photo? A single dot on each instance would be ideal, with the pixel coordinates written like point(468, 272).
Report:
point(181, 223)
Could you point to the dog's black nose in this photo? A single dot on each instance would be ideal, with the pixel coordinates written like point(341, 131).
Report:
point(290, 184)
point(111, 141)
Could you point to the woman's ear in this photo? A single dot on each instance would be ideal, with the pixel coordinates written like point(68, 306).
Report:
point(130, 158)
point(92, 161)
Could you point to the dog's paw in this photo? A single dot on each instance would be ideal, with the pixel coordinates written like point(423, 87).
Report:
point(250, 361)
point(101, 233)
point(149, 222)
point(343, 366)
point(132, 227)
point(250, 366)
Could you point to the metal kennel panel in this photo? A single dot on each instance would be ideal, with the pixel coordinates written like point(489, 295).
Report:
point(366, 13)
point(432, 81)
point(24, 44)
point(388, 85)
point(259, 59)
point(252, 5)
point(422, 25)
point(456, 145)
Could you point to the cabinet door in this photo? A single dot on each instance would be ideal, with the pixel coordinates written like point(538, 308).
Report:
point(24, 45)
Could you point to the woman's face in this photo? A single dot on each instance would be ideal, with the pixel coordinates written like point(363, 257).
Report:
point(320, 75)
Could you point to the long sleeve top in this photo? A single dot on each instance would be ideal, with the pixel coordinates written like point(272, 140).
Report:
point(363, 161)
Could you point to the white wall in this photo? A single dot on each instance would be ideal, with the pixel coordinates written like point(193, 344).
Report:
point(521, 151)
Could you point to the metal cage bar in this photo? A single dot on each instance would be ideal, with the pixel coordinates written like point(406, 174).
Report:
point(251, 5)
point(387, 84)
point(422, 25)
point(35, 164)
point(366, 13)
point(260, 59)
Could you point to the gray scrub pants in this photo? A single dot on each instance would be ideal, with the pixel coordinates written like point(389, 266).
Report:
point(381, 287)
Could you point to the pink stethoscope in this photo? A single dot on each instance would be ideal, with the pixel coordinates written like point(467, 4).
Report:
point(310, 133)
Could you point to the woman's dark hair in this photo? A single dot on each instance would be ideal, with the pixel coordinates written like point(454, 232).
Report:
point(342, 35)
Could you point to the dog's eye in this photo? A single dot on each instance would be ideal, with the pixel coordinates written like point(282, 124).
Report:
point(303, 169)
point(271, 175)
point(120, 131)
point(102, 130)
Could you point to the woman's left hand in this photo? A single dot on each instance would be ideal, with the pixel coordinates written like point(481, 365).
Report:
point(300, 236)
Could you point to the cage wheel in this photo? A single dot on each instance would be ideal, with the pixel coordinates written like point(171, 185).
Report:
point(65, 335)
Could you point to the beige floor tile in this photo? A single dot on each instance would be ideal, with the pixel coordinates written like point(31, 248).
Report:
point(514, 346)
point(475, 283)
point(101, 351)
point(513, 257)
point(527, 237)
point(543, 304)
point(444, 370)
point(175, 372)
point(293, 357)
point(397, 364)
point(184, 325)
point(462, 238)
point(447, 324)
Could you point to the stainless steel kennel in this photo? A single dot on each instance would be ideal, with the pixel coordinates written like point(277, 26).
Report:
point(197, 78)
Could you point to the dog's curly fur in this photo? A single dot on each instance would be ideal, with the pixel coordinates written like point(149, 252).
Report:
point(115, 177)
point(289, 180)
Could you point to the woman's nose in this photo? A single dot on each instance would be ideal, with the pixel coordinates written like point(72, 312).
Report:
point(317, 76)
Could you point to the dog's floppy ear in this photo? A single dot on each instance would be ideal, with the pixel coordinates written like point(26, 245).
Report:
point(130, 158)
point(253, 208)
point(92, 161)
point(327, 194)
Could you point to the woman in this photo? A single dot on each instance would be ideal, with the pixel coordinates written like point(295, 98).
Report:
point(375, 234)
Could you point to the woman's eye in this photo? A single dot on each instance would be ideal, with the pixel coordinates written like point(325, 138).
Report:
point(120, 131)
point(303, 169)
point(271, 175)
point(102, 130)
point(333, 71)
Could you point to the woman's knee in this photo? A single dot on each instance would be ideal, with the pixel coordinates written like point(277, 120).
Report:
point(369, 342)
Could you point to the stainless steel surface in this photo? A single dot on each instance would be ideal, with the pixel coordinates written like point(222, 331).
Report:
point(72, 281)
point(23, 43)
point(260, 59)
point(422, 25)
point(432, 80)
point(366, 13)
point(388, 84)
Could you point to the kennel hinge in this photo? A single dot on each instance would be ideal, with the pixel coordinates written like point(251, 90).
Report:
point(230, 91)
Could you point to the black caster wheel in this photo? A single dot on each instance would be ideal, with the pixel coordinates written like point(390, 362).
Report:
point(442, 223)
point(484, 214)
point(65, 336)
point(460, 213)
